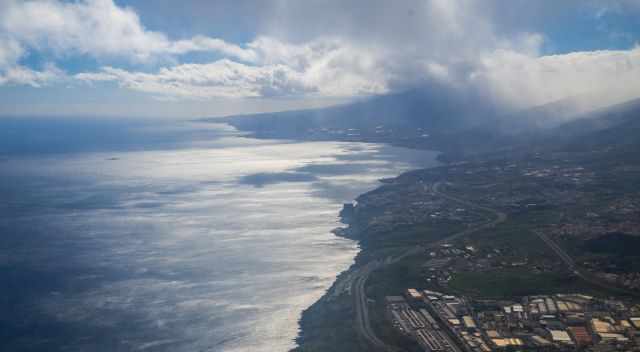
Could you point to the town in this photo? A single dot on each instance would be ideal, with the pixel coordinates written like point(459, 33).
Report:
point(524, 252)
point(521, 267)
point(560, 322)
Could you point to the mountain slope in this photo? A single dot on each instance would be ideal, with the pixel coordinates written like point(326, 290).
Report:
point(427, 118)
point(445, 119)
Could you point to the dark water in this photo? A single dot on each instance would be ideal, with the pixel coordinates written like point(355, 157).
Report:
point(170, 236)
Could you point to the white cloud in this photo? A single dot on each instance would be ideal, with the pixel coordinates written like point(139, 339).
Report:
point(201, 43)
point(323, 68)
point(97, 28)
point(525, 80)
point(10, 51)
point(94, 28)
point(20, 75)
point(13, 74)
point(461, 42)
point(223, 78)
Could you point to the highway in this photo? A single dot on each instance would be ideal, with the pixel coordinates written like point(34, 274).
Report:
point(564, 257)
point(499, 216)
point(584, 276)
point(363, 323)
point(559, 252)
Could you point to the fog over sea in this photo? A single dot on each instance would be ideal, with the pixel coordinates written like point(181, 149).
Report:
point(122, 235)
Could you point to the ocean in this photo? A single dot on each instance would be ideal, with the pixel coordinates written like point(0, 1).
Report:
point(127, 235)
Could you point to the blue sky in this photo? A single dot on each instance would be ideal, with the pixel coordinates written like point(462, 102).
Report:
point(207, 58)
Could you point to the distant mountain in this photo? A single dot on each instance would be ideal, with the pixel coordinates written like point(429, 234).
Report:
point(425, 118)
point(457, 122)
point(608, 118)
point(617, 126)
point(557, 113)
point(537, 118)
point(437, 108)
point(612, 131)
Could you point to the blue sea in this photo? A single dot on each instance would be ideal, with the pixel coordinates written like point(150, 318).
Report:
point(159, 235)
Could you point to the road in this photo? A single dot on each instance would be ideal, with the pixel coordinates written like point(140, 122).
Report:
point(579, 273)
point(566, 258)
point(559, 252)
point(363, 323)
point(499, 216)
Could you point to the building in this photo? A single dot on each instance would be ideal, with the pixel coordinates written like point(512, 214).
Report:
point(506, 342)
point(580, 335)
point(395, 299)
point(560, 336)
point(468, 322)
point(601, 327)
point(414, 295)
point(609, 337)
point(540, 341)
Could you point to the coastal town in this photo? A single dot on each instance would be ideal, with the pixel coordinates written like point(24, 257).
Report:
point(498, 255)
point(559, 322)
point(441, 321)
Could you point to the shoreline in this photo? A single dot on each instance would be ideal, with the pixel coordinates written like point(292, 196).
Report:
point(336, 306)
point(339, 286)
point(330, 321)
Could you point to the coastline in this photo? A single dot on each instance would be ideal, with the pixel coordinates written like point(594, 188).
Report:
point(329, 324)
point(335, 322)
point(317, 317)
point(314, 270)
point(351, 314)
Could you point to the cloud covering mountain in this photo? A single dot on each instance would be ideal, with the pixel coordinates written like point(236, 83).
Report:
point(513, 52)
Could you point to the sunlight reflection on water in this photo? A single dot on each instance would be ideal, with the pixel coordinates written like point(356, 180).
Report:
point(218, 246)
